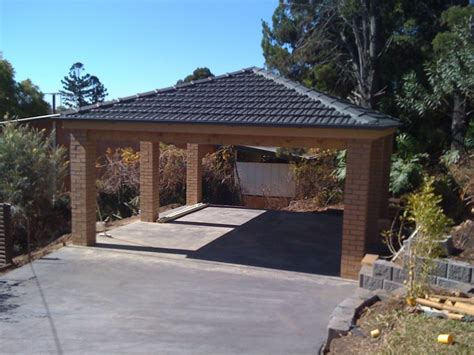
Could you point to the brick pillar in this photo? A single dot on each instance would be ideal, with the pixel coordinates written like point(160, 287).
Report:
point(83, 191)
point(194, 155)
point(361, 204)
point(149, 181)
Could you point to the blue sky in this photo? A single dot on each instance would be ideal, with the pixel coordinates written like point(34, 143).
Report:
point(132, 46)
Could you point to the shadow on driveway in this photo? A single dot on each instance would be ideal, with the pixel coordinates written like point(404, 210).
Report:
point(294, 241)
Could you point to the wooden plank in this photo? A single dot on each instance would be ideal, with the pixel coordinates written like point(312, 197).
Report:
point(455, 299)
point(444, 306)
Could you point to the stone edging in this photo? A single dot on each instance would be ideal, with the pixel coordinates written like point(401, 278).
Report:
point(344, 316)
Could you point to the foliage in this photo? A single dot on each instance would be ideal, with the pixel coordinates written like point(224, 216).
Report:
point(32, 172)
point(118, 183)
point(221, 181)
point(424, 210)
point(198, 73)
point(362, 47)
point(118, 180)
point(461, 169)
point(315, 179)
point(407, 166)
point(19, 99)
point(449, 77)
point(172, 175)
point(340, 171)
point(80, 88)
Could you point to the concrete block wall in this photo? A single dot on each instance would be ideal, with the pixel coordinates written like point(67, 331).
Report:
point(446, 273)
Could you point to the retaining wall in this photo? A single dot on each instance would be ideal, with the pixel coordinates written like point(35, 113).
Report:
point(446, 273)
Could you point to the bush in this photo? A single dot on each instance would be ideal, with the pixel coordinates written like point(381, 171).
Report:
point(221, 181)
point(118, 180)
point(32, 175)
point(320, 178)
point(118, 183)
point(406, 173)
point(425, 211)
point(172, 175)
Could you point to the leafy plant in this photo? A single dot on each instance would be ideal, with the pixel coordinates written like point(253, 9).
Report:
point(32, 174)
point(316, 178)
point(425, 212)
point(222, 183)
point(407, 166)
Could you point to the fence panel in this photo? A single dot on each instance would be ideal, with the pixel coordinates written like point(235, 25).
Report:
point(266, 179)
point(5, 234)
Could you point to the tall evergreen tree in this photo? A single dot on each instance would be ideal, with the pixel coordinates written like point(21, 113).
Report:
point(97, 92)
point(81, 88)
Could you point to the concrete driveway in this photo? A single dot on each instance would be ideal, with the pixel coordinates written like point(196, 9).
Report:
point(117, 300)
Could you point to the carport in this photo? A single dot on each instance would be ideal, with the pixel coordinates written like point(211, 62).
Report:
point(248, 107)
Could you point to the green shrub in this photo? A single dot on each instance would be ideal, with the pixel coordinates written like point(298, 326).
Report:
point(425, 212)
point(407, 166)
point(32, 173)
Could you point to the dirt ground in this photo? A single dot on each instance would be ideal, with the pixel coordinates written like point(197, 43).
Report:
point(359, 341)
point(310, 205)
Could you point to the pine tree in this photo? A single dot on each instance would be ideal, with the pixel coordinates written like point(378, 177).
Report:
point(81, 88)
point(98, 92)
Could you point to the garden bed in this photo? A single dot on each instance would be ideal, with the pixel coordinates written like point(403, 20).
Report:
point(403, 331)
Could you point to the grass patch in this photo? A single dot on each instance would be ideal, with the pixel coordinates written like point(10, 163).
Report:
point(410, 333)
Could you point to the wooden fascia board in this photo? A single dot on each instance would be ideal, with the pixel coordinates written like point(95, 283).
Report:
point(212, 139)
point(229, 130)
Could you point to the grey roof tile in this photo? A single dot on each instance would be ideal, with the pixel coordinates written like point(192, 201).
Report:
point(248, 97)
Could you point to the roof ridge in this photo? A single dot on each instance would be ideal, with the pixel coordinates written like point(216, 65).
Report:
point(340, 105)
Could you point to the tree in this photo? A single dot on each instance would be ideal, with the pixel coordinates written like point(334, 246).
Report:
point(81, 88)
point(198, 73)
point(7, 90)
point(448, 83)
point(30, 100)
point(350, 47)
point(98, 92)
point(19, 100)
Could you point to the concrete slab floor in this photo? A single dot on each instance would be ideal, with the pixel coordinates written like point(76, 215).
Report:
point(107, 300)
point(303, 242)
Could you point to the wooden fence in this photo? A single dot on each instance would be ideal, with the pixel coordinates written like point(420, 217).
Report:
point(5, 234)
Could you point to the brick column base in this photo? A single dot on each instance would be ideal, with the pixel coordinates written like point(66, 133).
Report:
point(149, 181)
point(83, 191)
